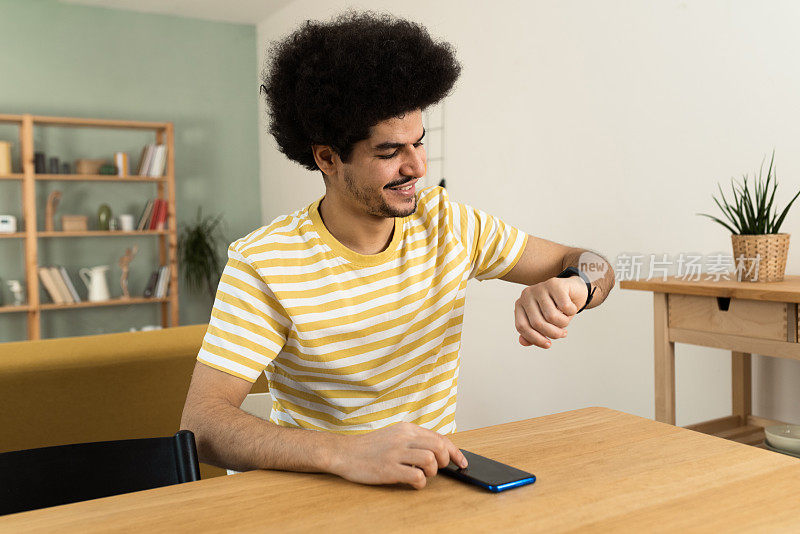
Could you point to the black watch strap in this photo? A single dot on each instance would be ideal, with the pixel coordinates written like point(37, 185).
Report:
point(574, 271)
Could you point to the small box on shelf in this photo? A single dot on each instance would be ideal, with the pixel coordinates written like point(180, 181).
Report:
point(74, 223)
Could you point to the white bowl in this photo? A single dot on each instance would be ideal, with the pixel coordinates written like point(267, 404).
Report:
point(786, 437)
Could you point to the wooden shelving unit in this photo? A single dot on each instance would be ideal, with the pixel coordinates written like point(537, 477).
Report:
point(167, 238)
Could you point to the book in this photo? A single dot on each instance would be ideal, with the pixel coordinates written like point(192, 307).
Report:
point(141, 161)
point(49, 285)
point(61, 286)
point(159, 214)
point(162, 165)
point(150, 288)
point(70, 285)
point(159, 161)
point(161, 222)
point(165, 287)
point(144, 218)
point(151, 224)
point(144, 166)
point(121, 161)
point(163, 282)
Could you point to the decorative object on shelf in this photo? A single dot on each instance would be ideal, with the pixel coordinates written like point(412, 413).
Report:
point(5, 157)
point(150, 288)
point(39, 163)
point(127, 222)
point(759, 250)
point(124, 263)
point(88, 166)
point(784, 438)
point(50, 210)
point(16, 291)
point(74, 223)
point(95, 281)
point(54, 166)
point(103, 217)
point(198, 253)
point(108, 169)
point(8, 224)
point(65, 168)
point(113, 224)
point(121, 161)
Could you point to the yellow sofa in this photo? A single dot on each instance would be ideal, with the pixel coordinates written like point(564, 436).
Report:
point(97, 388)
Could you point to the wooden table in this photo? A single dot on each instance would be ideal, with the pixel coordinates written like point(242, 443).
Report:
point(743, 317)
point(597, 470)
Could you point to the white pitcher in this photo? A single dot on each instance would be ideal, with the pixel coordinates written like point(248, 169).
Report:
point(95, 281)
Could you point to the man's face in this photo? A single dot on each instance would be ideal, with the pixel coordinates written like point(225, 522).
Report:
point(392, 158)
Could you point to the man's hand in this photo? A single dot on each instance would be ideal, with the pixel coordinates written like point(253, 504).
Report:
point(402, 452)
point(544, 310)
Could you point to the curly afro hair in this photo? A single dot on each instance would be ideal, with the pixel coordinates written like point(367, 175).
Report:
point(329, 83)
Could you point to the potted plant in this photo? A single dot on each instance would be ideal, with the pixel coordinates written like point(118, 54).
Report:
point(198, 253)
point(755, 227)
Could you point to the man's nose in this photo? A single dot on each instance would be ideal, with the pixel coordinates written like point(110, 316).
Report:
point(414, 163)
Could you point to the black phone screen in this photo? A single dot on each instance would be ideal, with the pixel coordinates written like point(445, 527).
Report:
point(488, 473)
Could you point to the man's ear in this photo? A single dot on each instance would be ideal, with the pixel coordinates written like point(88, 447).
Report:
point(326, 159)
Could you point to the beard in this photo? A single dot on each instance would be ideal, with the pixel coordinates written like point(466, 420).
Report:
point(374, 202)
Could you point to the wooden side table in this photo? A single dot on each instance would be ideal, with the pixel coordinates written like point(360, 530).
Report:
point(743, 317)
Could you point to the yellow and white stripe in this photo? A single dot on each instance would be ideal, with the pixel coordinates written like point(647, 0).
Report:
point(351, 343)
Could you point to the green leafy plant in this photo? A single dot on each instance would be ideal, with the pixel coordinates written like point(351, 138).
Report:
point(198, 251)
point(752, 212)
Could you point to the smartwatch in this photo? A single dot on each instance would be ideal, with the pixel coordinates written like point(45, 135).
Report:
point(573, 271)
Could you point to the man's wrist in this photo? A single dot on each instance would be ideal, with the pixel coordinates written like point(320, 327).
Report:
point(574, 272)
point(331, 455)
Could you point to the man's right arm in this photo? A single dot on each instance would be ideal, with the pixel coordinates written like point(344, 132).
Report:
point(228, 437)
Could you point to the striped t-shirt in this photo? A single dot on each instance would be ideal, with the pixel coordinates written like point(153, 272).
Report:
point(350, 342)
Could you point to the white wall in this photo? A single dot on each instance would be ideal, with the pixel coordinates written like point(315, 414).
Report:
point(601, 124)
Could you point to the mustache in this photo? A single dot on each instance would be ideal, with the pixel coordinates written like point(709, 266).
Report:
point(399, 183)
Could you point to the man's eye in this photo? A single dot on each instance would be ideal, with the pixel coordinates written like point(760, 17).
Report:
point(393, 154)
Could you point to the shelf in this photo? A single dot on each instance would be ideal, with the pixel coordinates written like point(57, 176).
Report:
point(95, 123)
point(15, 235)
point(101, 233)
point(4, 117)
point(99, 178)
point(14, 176)
point(112, 302)
point(734, 428)
point(11, 309)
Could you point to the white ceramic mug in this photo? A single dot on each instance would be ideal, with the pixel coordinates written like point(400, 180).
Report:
point(126, 222)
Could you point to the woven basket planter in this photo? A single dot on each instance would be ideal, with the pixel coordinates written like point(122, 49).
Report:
point(771, 251)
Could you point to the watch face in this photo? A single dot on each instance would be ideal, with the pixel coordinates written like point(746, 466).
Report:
point(592, 265)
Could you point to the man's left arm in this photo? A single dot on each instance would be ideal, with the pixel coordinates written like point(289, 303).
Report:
point(548, 304)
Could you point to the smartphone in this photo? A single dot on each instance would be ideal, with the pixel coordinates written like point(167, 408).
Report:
point(488, 474)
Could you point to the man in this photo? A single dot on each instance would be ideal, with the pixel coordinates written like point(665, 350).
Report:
point(354, 305)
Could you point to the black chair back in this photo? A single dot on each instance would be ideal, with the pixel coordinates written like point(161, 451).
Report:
point(49, 476)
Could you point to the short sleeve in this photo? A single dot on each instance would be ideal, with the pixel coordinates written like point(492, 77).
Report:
point(248, 326)
point(494, 246)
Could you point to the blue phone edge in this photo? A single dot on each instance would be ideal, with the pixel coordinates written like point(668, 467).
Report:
point(509, 485)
